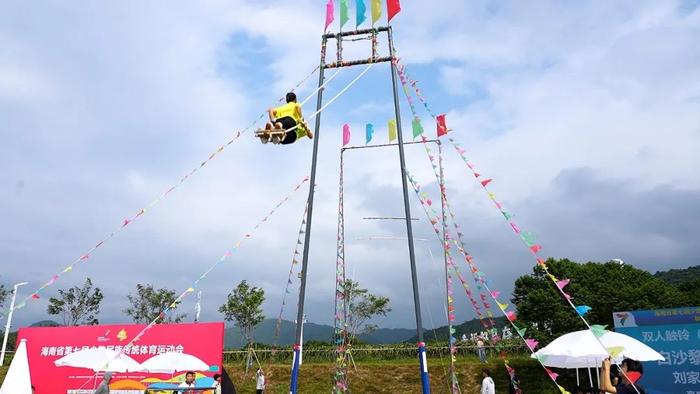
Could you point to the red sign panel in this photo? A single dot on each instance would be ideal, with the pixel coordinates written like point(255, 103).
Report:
point(45, 345)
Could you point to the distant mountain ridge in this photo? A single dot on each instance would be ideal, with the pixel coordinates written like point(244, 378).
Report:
point(678, 276)
point(265, 333)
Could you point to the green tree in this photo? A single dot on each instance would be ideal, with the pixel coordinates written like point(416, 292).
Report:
point(3, 294)
point(78, 305)
point(362, 306)
point(691, 291)
point(244, 307)
point(605, 287)
point(148, 303)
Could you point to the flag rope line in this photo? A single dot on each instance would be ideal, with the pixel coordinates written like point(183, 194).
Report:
point(510, 316)
point(528, 240)
point(203, 276)
point(418, 130)
point(295, 262)
point(86, 255)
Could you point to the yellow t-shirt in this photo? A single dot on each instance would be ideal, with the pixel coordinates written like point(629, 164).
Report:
point(292, 110)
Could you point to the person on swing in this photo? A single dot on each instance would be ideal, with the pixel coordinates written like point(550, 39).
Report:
point(288, 117)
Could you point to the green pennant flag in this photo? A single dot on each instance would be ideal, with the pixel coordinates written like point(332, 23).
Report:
point(598, 330)
point(417, 128)
point(343, 12)
point(541, 357)
point(521, 331)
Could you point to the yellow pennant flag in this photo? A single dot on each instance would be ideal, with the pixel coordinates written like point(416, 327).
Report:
point(392, 130)
point(502, 306)
point(615, 350)
point(376, 10)
point(563, 390)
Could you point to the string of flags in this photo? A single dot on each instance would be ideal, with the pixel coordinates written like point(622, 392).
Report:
point(426, 203)
point(510, 315)
point(287, 290)
point(418, 132)
point(87, 255)
point(340, 377)
point(526, 237)
point(393, 7)
point(203, 276)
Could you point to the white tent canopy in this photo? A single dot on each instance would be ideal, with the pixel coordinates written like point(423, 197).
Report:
point(99, 359)
point(581, 349)
point(17, 380)
point(173, 362)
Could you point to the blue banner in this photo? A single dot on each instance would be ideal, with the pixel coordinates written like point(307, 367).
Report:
point(675, 333)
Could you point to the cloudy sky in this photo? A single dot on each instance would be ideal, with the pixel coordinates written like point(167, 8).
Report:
point(585, 114)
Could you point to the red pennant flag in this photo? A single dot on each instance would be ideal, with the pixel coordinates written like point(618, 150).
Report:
point(486, 182)
point(393, 7)
point(535, 248)
point(441, 125)
point(35, 296)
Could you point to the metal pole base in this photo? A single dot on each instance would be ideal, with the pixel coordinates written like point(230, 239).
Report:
point(424, 377)
point(295, 370)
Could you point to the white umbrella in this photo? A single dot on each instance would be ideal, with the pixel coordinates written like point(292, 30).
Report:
point(172, 362)
point(99, 359)
point(17, 380)
point(581, 349)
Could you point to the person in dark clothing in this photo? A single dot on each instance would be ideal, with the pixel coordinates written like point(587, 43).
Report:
point(632, 372)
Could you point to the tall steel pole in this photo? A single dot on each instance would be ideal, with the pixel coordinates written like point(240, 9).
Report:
point(9, 322)
point(425, 380)
point(309, 214)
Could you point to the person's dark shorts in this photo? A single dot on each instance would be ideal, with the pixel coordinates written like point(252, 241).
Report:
point(287, 123)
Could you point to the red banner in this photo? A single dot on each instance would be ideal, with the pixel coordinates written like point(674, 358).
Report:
point(45, 345)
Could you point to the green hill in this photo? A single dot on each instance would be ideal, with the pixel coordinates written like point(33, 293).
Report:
point(467, 327)
point(265, 333)
point(678, 276)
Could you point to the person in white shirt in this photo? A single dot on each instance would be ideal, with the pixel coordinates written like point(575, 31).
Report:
point(487, 385)
point(259, 382)
point(189, 382)
point(217, 384)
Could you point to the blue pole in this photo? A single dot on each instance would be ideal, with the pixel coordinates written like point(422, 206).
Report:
point(295, 370)
point(424, 378)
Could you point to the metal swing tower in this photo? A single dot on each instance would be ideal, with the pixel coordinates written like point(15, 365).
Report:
point(373, 34)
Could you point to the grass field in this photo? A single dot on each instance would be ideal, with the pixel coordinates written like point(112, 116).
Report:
point(393, 376)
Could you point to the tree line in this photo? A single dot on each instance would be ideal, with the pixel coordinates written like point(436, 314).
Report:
point(80, 305)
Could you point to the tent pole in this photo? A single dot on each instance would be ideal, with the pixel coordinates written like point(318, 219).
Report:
point(578, 382)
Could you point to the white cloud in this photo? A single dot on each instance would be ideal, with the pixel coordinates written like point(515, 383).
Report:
point(106, 106)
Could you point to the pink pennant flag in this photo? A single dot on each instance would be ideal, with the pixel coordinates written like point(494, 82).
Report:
point(495, 293)
point(52, 280)
point(35, 296)
point(552, 374)
point(486, 182)
point(511, 315)
point(84, 257)
point(562, 283)
point(346, 134)
point(535, 248)
point(515, 227)
point(329, 14)
point(531, 344)
point(126, 222)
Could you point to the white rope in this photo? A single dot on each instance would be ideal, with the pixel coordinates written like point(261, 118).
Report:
point(320, 87)
point(357, 78)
